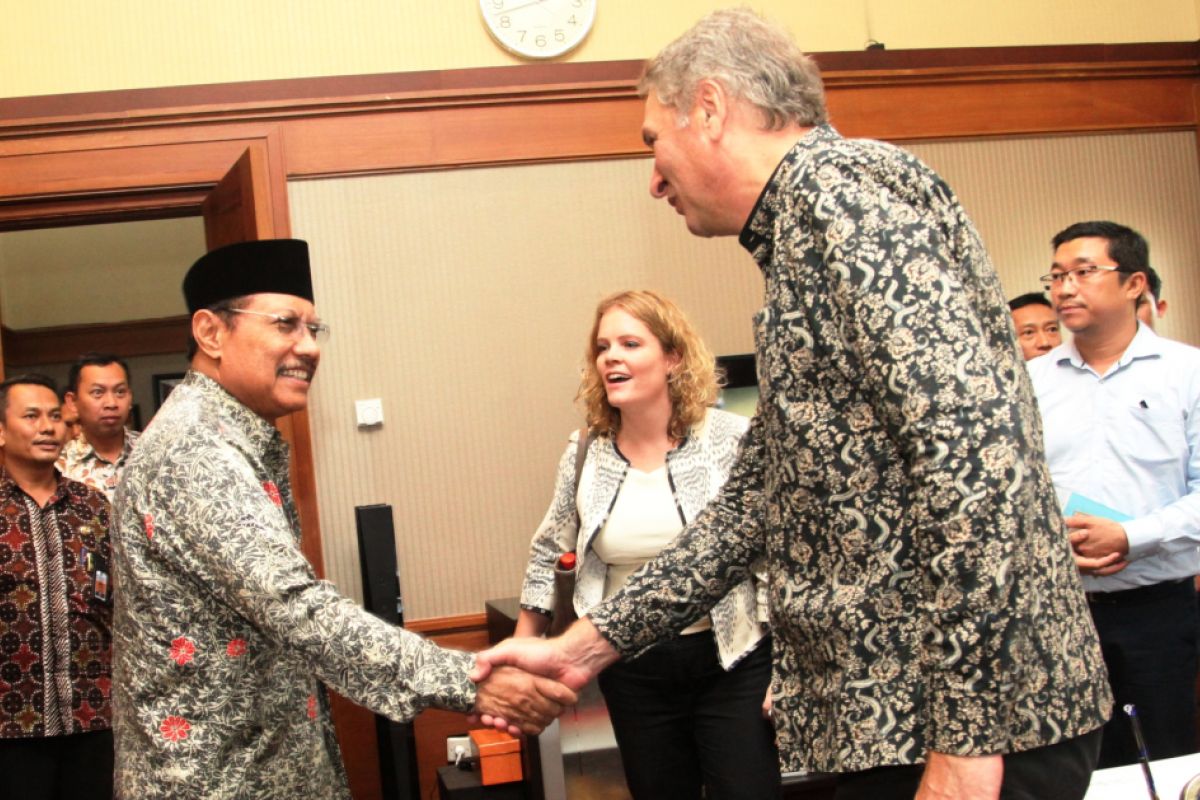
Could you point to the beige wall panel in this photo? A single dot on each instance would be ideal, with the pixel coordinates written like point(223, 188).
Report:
point(1021, 192)
point(81, 46)
point(463, 300)
point(96, 273)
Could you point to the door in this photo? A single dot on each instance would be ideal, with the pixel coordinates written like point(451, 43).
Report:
point(238, 209)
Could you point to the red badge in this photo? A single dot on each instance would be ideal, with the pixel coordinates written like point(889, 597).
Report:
point(273, 492)
point(312, 706)
point(235, 648)
point(148, 521)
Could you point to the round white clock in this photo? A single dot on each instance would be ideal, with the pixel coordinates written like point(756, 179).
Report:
point(538, 28)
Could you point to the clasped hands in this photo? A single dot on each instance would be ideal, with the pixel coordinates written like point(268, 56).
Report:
point(1100, 545)
point(525, 683)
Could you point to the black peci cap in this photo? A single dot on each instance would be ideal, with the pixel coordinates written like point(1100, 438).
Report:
point(276, 266)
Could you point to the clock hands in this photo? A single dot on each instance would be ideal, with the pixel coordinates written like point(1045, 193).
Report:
point(524, 5)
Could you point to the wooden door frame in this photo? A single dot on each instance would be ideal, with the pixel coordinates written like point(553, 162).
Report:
point(150, 174)
point(161, 173)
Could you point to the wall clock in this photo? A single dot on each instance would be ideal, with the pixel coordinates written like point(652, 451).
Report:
point(538, 28)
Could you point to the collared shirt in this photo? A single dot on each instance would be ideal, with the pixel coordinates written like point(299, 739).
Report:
point(55, 612)
point(923, 595)
point(1130, 440)
point(79, 461)
point(224, 637)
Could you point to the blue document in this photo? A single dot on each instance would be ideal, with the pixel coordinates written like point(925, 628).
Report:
point(1085, 505)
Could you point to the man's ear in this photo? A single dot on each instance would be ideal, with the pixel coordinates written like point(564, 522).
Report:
point(712, 103)
point(1135, 287)
point(208, 329)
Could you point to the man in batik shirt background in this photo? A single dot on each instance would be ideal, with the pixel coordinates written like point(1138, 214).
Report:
point(98, 391)
point(55, 610)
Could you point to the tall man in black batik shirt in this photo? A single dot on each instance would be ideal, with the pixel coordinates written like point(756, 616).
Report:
point(55, 611)
point(924, 604)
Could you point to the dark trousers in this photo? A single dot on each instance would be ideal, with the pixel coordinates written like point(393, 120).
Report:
point(1060, 771)
point(682, 721)
point(1149, 639)
point(76, 767)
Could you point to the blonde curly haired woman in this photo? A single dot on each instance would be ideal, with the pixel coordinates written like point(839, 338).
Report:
point(687, 713)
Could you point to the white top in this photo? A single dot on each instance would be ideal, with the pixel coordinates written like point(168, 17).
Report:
point(1130, 440)
point(643, 520)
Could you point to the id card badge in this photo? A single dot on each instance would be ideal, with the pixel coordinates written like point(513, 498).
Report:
point(101, 584)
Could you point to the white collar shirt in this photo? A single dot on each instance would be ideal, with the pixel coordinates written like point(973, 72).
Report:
point(1130, 440)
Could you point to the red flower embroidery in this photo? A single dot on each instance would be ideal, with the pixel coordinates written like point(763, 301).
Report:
point(235, 648)
point(273, 492)
point(175, 729)
point(312, 706)
point(182, 650)
point(148, 520)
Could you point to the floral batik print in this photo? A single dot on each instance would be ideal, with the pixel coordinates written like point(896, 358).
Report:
point(922, 591)
point(55, 612)
point(225, 638)
point(79, 461)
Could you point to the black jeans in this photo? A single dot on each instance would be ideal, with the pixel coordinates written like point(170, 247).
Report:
point(77, 767)
point(682, 721)
point(1055, 772)
point(1149, 639)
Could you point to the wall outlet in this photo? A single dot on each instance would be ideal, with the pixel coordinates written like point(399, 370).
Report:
point(456, 745)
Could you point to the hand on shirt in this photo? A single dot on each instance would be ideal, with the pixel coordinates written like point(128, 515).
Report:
point(1100, 545)
point(522, 702)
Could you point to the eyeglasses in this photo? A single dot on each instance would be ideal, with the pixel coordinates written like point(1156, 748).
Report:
point(1079, 275)
point(290, 327)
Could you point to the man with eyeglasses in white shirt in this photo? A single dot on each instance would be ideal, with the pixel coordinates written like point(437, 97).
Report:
point(1121, 414)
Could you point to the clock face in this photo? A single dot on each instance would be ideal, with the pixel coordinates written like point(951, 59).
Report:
point(538, 28)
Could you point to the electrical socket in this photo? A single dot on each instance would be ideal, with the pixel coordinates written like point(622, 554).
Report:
point(456, 744)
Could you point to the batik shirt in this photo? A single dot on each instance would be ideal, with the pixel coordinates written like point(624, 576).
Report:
point(55, 612)
point(225, 637)
point(921, 588)
point(80, 462)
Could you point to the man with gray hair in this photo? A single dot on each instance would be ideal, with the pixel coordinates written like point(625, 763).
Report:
point(924, 602)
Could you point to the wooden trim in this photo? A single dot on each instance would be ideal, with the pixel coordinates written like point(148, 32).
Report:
point(61, 344)
point(440, 626)
point(346, 94)
point(560, 112)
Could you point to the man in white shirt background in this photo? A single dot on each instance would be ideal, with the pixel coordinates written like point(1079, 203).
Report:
point(1121, 414)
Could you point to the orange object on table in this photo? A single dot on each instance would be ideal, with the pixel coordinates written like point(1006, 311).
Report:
point(499, 756)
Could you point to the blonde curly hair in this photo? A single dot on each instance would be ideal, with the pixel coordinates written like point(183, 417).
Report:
point(693, 385)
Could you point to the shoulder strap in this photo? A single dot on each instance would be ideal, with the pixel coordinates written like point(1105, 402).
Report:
point(581, 448)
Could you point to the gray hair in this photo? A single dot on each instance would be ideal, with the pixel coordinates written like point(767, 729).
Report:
point(753, 59)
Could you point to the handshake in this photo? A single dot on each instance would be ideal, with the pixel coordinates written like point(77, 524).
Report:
point(524, 684)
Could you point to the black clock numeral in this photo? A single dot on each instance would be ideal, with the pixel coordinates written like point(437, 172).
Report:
point(540, 40)
point(577, 3)
point(572, 21)
point(559, 36)
point(505, 21)
point(522, 39)
point(497, 5)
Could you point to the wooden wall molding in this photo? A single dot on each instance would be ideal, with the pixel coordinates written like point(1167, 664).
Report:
point(557, 112)
point(147, 337)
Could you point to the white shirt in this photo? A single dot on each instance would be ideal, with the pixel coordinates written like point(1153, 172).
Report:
point(644, 519)
point(1130, 440)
